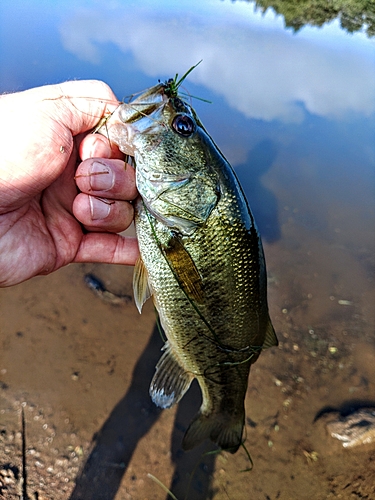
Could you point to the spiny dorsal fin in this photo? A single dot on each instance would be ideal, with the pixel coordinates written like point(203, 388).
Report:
point(270, 339)
point(141, 286)
point(170, 381)
point(185, 269)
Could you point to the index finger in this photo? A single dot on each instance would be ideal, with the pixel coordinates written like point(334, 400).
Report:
point(98, 146)
point(83, 102)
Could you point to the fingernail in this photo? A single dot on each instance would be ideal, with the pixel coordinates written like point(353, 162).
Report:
point(101, 177)
point(98, 208)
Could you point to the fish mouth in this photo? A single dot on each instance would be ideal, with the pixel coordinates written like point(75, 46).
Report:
point(139, 116)
point(144, 105)
point(142, 115)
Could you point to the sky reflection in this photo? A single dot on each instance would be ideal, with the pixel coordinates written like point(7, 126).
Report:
point(260, 69)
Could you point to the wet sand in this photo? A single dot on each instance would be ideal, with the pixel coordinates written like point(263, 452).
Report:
point(80, 368)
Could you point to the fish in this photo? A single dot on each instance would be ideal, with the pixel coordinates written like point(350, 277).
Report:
point(201, 260)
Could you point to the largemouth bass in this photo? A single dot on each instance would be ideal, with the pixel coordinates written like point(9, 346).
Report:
point(201, 261)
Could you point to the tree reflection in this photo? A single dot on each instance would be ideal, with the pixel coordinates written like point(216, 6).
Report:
point(354, 15)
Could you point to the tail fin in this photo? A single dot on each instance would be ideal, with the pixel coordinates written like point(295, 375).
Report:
point(223, 429)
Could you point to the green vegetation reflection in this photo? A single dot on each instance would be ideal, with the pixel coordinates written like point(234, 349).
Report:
point(354, 15)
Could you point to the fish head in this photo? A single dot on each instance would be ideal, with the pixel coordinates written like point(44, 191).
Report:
point(172, 153)
point(161, 128)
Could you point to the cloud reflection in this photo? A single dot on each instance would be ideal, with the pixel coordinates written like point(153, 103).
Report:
point(262, 71)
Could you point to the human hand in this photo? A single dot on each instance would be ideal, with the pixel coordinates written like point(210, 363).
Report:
point(45, 223)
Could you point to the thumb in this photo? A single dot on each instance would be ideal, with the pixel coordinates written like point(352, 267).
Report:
point(36, 139)
point(81, 104)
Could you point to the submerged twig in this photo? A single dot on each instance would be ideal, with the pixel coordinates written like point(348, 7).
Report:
point(24, 470)
point(157, 481)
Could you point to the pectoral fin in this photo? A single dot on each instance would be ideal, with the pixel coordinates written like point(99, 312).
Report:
point(185, 270)
point(141, 288)
point(170, 381)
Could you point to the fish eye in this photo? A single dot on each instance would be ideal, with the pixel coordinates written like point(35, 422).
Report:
point(183, 125)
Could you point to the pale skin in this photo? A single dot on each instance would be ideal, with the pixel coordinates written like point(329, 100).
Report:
point(54, 209)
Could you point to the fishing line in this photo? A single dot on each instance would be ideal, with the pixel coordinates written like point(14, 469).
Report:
point(157, 481)
point(159, 327)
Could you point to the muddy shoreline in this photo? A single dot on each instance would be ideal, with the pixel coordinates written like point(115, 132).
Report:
point(80, 368)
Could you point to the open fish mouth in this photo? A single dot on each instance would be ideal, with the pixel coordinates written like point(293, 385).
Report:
point(143, 115)
point(139, 116)
point(143, 105)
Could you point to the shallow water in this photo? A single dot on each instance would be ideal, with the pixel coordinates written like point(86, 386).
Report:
point(294, 114)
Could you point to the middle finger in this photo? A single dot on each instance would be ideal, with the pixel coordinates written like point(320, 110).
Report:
point(109, 178)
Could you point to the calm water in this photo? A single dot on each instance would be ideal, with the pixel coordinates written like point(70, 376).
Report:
point(301, 105)
point(295, 116)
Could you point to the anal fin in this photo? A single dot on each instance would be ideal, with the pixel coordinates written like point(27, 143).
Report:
point(170, 381)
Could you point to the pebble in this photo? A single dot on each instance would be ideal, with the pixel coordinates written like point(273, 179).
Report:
point(354, 429)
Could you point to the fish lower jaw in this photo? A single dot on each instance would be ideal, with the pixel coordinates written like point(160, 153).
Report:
point(122, 135)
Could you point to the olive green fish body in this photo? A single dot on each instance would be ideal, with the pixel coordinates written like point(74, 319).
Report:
point(202, 262)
